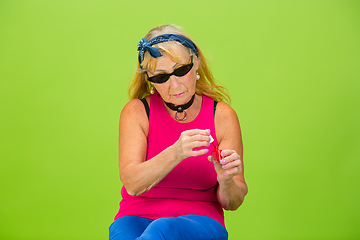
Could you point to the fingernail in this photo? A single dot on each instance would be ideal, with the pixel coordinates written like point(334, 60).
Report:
point(223, 166)
point(222, 161)
point(206, 150)
point(224, 174)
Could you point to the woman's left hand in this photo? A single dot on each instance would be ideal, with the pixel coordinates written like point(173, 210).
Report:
point(229, 166)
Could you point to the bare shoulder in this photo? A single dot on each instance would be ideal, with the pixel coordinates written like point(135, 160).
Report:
point(134, 113)
point(134, 106)
point(224, 107)
point(225, 114)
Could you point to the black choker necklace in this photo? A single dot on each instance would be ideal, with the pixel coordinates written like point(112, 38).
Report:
point(180, 108)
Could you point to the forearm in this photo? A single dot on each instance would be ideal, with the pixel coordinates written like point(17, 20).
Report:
point(140, 178)
point(231, 193)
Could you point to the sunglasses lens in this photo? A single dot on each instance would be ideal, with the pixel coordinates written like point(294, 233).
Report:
point(161, 78)
point(182, 71)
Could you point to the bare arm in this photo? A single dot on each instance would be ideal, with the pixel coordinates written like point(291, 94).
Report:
point(137, 174)
point(232, 187)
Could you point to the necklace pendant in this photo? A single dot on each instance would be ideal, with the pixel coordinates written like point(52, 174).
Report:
point(180, 119)
point(180, 108)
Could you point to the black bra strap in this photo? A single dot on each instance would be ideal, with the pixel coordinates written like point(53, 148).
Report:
point(146, 105)
point(215, 103)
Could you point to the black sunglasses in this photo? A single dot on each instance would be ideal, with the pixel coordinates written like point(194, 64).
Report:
point(179, 72)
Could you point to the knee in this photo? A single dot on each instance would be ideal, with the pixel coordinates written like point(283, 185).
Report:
point(164, 225)
point(162, 228)
point(128, 227)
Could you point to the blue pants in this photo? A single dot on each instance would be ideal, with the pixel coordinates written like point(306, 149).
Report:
point(194, 227)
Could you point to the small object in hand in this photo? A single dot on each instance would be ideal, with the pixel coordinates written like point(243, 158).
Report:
point(216, 153)
point(211, 139)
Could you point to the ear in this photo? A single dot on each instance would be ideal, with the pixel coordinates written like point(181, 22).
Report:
point(196, 62)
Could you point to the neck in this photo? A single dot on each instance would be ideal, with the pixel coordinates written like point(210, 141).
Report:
point(181, 108)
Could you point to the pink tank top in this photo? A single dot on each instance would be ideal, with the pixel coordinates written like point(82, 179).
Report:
point(190, 188)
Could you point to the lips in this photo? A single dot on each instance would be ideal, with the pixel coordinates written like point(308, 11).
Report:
point(178, 95)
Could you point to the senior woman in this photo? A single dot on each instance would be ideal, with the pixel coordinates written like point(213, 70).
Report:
point(172, 187)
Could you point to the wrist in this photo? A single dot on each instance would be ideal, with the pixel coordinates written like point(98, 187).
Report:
point(226, 183)
point(174, 153)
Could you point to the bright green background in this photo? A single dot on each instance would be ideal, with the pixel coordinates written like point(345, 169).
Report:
point(291, 67)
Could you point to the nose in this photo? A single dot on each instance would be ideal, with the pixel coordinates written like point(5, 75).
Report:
point(174, 82)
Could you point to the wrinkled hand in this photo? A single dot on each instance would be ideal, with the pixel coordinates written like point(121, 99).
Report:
point(190, 139)
point(229, 166)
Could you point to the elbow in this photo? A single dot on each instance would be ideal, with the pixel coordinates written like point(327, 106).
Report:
point(135, 192)
point(135, 186)
point(131, 193)
point(236, 201)
point(131, 188)
point(128, 187)
point(233, 205)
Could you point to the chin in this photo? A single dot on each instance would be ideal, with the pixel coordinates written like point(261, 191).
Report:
point(182, 99)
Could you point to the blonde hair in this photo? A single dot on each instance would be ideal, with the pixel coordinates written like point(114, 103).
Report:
point(139, 87)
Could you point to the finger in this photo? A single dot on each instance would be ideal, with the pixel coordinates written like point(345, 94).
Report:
point(198, 144)
point(197, 131)
point(199, 152)
point(232, 164)
point(208, 131)
point(199, 137)
point(232, 172)
point(229, 158)
point(227, 152)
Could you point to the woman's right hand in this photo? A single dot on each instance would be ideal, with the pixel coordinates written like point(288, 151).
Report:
point(189, 140)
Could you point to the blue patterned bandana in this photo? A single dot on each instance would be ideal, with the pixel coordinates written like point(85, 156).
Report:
point(145, 45)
